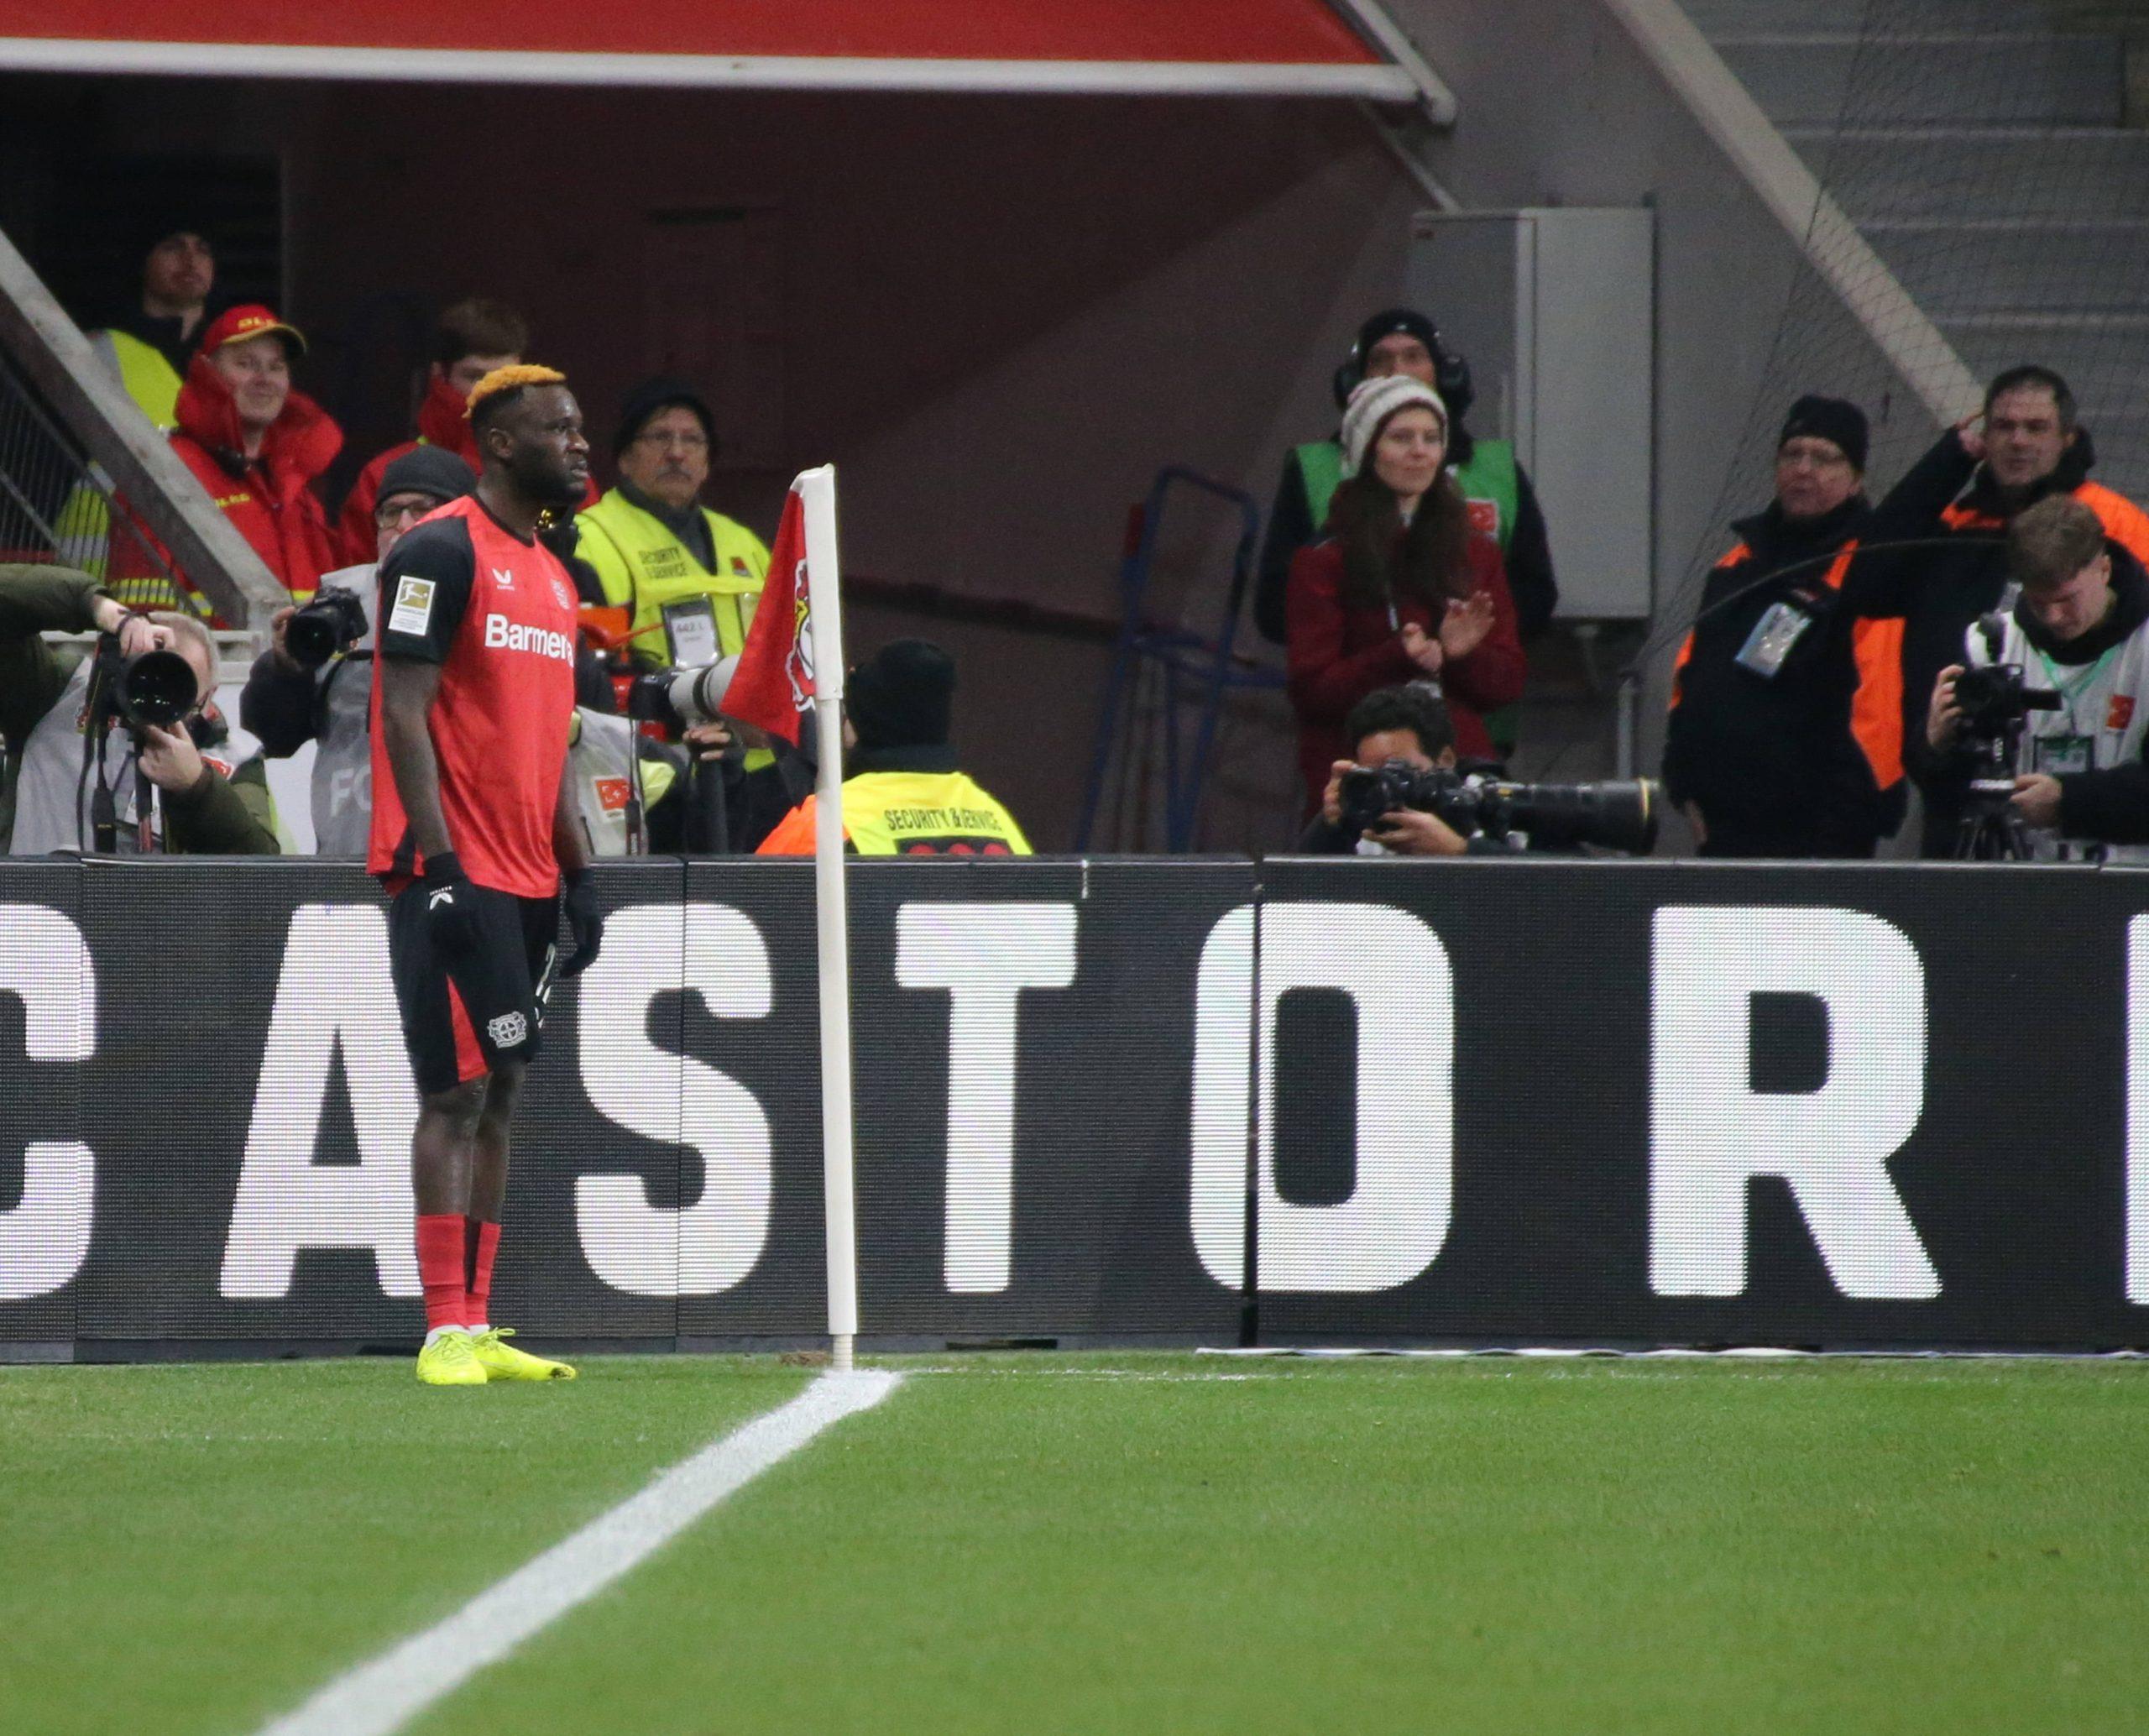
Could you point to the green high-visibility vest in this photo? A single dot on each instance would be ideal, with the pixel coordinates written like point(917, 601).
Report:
point(1487, 483)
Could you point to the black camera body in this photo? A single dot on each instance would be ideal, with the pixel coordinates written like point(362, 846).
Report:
point(1996, 699)
point(1618, 816)
point(334, 621)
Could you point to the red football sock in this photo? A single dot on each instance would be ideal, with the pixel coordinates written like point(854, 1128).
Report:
point(440, 1269)
point(483, 1241)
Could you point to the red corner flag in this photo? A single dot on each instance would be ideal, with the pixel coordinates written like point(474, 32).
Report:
point(774, 682)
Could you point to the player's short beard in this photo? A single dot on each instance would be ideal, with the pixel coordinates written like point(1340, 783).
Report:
point(541, 478)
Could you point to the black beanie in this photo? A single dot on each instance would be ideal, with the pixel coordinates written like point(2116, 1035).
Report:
point(1833, 419)
point(148, 233)
point(432, 470)
point(903, 696)
point(664, 392)
point(1404, 320)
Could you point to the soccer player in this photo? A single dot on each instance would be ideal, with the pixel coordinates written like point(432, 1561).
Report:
point(472, 833)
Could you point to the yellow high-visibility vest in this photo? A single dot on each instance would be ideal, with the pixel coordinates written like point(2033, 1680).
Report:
point(643, 567)
point(150, 380)
point(908, 813)
point(84, 526)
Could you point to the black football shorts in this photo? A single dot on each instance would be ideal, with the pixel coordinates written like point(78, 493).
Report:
point(463, 1017)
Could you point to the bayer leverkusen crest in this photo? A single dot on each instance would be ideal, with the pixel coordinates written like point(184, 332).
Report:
point(799, 665)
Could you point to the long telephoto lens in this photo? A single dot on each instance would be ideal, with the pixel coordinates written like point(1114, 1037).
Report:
point(1619, 816)
point(156, 687)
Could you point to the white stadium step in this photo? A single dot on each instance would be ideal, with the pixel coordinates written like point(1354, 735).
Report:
point(1981, 153)
point(1848, 18)
point(2078, 80)
point(1888, 174)
point(2011, 266)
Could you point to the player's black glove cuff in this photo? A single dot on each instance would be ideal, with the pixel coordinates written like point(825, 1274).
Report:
point(450, 912)
point(584, 924)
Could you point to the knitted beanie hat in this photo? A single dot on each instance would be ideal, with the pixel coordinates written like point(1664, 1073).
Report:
point(1841, 423)
point(1372, 403)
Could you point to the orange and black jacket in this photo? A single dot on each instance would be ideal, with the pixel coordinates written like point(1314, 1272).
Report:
point(1945, 587)
point(1817, 747)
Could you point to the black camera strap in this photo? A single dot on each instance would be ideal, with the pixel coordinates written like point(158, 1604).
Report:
point(97, 729)
point(145, 809)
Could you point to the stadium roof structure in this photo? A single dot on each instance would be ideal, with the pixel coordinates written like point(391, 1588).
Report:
point(1255, 48)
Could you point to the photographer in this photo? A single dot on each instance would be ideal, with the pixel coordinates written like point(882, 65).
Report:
point(46, 715)
point(321, 690)
point(1947, 520)
point(1406, 723)
point(1405, 794)
point(2054, 697)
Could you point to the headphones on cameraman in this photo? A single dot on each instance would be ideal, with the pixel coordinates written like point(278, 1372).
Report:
point(1451, 368)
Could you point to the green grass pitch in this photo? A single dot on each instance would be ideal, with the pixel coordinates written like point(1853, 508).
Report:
point(1122, 1542)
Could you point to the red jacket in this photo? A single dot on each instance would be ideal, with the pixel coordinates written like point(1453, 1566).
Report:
point(269, 500)
point(440, 422)
point(1340, 652)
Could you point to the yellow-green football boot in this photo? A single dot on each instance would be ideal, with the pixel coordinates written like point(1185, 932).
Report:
point(451, 1360)
point(502, 1361)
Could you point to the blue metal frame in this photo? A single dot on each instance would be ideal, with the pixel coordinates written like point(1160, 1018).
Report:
point(1183, 657)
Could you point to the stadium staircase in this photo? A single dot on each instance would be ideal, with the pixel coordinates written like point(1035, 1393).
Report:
point(1982, 147)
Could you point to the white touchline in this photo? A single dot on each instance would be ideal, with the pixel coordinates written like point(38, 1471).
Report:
point(384, 1695)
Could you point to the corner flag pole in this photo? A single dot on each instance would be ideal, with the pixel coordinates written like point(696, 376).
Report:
point(816, 492)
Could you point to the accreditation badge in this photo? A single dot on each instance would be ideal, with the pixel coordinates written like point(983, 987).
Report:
point(690, 632)
point(1772, 639)
point(2061, 756)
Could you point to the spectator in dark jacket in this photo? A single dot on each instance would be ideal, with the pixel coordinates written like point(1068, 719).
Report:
point(1503, 503)
point(2032, 446)
point(1402, 590)
point(1785, 735)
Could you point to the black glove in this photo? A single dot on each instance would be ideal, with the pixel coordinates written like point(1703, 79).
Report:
point(585, 924)
point(451, 911)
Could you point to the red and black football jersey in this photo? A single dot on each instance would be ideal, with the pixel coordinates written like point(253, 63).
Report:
point(498, 614)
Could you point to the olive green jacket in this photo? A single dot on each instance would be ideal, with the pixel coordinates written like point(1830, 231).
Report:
point(215, 818)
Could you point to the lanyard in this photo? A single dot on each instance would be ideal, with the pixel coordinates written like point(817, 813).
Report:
point(2082, 684)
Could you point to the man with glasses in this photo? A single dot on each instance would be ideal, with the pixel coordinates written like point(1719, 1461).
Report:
point(689, 578)
point(1786, 736)
point(287, 704)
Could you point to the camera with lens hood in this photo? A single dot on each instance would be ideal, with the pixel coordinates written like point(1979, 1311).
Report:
point(681, 700)
point(150, 688)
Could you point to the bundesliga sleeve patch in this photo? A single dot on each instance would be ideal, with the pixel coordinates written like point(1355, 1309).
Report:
point(413, 609)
